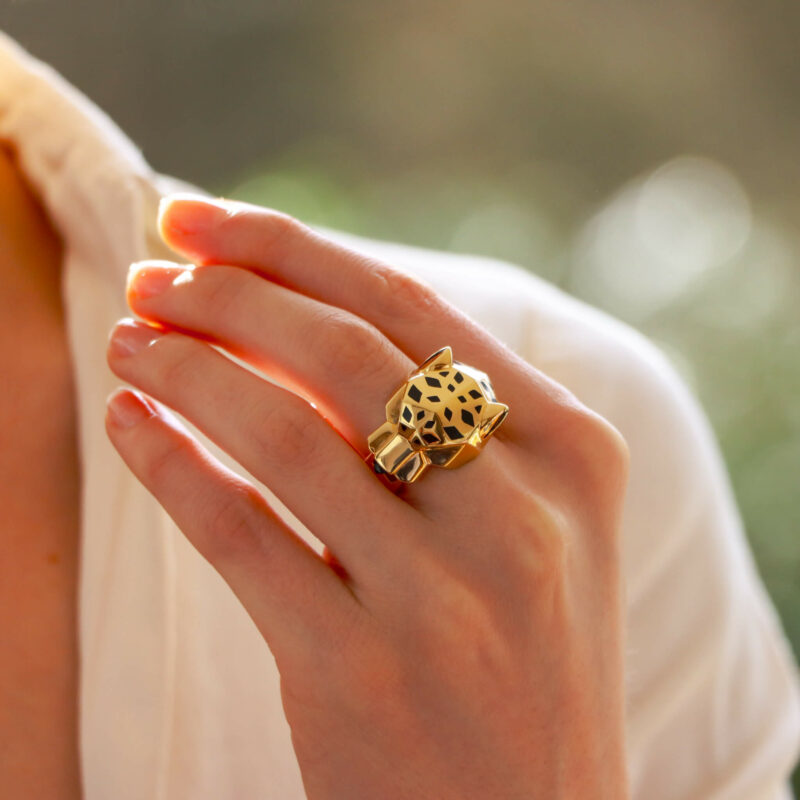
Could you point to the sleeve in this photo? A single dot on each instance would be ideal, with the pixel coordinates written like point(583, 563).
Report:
point(712, 691)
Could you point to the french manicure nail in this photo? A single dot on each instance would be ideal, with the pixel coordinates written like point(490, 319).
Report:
point(127, 408)
point(129, 337)
point(188, 214)
point(151, 278)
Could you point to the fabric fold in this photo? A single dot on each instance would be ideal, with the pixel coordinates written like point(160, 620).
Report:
point(88, 176)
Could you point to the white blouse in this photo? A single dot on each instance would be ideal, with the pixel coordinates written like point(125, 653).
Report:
point(179, 696)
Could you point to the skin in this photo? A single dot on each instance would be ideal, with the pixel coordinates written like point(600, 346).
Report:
point(39, 491)
point(460, 638)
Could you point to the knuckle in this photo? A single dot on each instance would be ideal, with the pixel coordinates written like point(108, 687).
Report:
point(401, 295)
point(617, 451)
point(178, 361)
point(162, 466)
point(596, 449)
point(289, 436)
point(607, 455)
point(275, 228)
point(348, 347)
point(234, 524)
point(219, 289)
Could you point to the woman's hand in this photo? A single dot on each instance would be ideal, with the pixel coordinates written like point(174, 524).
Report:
point(460, 639)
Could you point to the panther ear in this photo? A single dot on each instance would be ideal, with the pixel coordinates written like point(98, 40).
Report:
point(441, 358)
point(494, 414)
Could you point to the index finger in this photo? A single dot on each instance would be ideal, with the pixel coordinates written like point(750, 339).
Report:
point(408, 311)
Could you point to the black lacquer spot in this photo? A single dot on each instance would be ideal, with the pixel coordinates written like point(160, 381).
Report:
point(420, 414)
point(458, 377)
point(479, 407)
point(407, 414)
point(414, 393)
point(430, 438)
point(451, 387)
point(474, 393)
point(448, 413)
point(453, 432)
point(432, 381)
point(462, 398)
point(433, 398)
point(467, 417)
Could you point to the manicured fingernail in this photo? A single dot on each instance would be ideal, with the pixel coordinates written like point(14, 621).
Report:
point(188, 214)
point(151, 278)
point(127, 408)
point(129, 337)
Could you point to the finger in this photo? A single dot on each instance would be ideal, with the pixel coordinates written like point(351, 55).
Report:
point(278, 437)
point(408, 311)
point(336, 360)
point(296, 600)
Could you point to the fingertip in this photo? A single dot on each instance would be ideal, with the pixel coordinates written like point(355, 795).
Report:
point(151, 277)
point(184, 215)
point(128, 337)
point(126, 408)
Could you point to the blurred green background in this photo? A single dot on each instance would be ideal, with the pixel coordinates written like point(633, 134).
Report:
point(644, 156)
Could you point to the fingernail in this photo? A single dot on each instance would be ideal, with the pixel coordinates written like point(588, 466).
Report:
point(129, 337)
point(151, 278)
point(187, 214)
point(127, 408)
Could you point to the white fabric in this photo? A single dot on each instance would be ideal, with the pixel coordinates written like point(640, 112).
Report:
point(179, 695)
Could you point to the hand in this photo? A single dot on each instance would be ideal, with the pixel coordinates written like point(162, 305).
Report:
point(460, 639)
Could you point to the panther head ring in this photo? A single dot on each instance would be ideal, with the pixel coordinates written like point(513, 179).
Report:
point(441, 416)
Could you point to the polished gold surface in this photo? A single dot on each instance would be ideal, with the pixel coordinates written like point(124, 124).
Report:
point(441, 416)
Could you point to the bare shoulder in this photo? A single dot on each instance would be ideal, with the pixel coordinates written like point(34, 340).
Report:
point(39, 495)
point(30, 250)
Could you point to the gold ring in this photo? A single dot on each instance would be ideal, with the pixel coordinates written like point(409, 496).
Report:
point(442, 416)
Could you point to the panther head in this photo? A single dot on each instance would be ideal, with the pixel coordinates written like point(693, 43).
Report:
point(440, 416)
